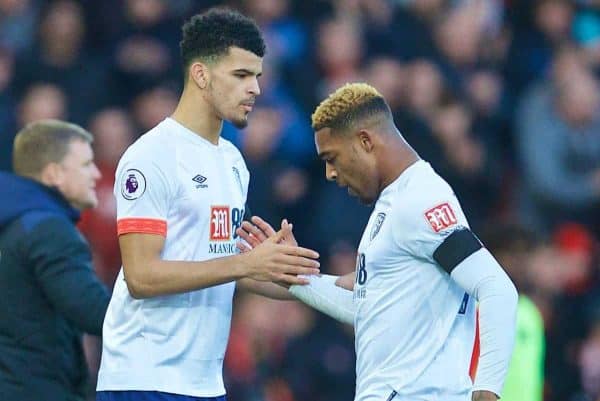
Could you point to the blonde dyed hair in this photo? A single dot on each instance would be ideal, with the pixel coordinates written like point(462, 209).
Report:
point(348, 105)
point(43, 142)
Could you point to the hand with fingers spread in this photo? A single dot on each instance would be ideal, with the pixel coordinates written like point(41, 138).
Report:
point(271, 259)
point(258, 231)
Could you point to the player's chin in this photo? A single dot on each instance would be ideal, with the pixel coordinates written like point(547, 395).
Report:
point(240, 122)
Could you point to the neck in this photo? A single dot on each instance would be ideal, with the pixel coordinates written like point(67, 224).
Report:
point(397, 157)
point(194, 113)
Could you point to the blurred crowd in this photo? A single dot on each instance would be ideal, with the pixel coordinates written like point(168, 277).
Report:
point(500, 96)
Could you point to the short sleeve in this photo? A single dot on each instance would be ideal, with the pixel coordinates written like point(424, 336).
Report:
point(423, 222)
point(143, 195)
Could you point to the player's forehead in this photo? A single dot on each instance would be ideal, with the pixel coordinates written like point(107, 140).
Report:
point(240, 59)
point(327, 142)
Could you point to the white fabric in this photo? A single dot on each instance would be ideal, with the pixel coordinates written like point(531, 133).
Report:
point(176, 343)
point(445, 379)
point(322, 294)
point(482, 276)
point(405, 302)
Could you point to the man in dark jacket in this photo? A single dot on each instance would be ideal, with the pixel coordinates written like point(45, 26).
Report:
point(49, 292)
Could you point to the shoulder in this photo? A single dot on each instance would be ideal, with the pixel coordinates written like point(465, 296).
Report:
point(425, 195)
point(154, 145)
point(231, 149)
point(50, 230)
point(425, 210)
point(151, 157)
point(236, 157)
point(43, 219)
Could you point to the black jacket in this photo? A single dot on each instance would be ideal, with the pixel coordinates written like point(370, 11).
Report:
point(49, 294)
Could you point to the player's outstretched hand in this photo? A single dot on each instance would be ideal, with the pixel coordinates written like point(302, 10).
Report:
point(272, 260)
point(258, 231)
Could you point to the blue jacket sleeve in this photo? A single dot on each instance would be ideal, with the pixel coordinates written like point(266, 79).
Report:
point(61, 261)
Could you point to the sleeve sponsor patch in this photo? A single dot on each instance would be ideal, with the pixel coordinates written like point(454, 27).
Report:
point(441, 217)
point(133, 184)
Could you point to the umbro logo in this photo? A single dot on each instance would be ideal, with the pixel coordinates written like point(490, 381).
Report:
point(200, 181)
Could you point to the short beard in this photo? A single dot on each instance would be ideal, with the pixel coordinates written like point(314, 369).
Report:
point(240, 124)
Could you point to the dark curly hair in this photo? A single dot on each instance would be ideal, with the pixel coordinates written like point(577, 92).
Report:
point(209, 35)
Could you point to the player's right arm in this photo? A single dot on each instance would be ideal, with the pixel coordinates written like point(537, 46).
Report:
point(147, 275)
point(146, 194)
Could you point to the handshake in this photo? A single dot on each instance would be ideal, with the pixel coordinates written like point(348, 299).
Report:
point(275, 256)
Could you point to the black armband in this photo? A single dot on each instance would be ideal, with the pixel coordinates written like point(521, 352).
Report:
point(456, 247)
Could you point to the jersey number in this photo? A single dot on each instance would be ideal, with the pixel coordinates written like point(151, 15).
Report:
point(361, 269)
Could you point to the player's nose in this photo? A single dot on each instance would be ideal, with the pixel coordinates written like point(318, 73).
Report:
point(254, 88)
point(330, 173)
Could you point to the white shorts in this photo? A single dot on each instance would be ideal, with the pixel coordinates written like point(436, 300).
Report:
point(447, 378)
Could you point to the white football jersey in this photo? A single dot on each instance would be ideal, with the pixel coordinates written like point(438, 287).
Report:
point(405, 302)
point(174, 183)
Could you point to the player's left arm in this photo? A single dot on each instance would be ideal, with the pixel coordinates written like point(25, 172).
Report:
point(329, 294)
point(476, 270)
point(266, 289)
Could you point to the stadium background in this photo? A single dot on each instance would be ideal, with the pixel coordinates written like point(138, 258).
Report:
point(501, 96)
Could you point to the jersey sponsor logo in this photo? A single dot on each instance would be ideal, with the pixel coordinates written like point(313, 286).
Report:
point(377, 225)
point(222, 247)
point(200, 181)
point(223, 223)
point(133, 184)
point(237, 216)
point(220, 223)
point(441, 217)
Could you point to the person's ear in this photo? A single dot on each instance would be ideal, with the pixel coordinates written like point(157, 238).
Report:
point(51, 175)
point(200, 74)
point(365, 139)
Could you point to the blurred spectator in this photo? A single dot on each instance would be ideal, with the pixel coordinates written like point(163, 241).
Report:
point(572, 308)
point(42, 101)
point(17, 23)
point(279, 184)
point(390, 78)
point(425, 90)
point(491, 103)
point(467, 162)
point(285, 37)
point(513, 246)
point(152, 106)
point(589, 361)
point(61, 58)
point(413, 26)
point(340, 49)
point(257, 344)
point(51, 293)
point(559, 148)
point(144, 48)
point(535, 41)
